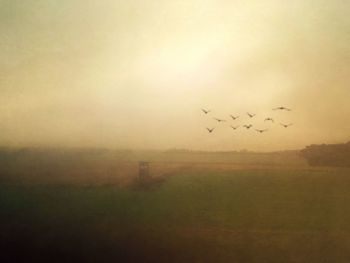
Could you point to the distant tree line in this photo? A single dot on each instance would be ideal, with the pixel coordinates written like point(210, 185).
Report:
point(328, 155)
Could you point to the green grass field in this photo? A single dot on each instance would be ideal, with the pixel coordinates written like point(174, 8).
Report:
point(195, 215)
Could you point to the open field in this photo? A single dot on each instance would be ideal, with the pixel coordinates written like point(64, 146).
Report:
point(207, 208)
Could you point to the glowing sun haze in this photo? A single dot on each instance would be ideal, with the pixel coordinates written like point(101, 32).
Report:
point(135, 74)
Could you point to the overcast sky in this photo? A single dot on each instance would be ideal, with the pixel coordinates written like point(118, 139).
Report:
point(135, 74)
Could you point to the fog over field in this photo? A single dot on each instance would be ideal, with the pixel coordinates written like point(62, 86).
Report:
point(135, 74)
point(174, 131)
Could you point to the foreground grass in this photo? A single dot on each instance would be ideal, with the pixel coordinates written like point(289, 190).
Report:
point(237, 216)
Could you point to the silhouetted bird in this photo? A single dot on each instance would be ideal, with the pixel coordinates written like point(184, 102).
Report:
point(235, 127)
point(269, 119)
point(205, 111)
point(248, 126)
point(251, 115)
point(219, 120)
point(286, 125)
point(282, 108)
point(234, 117)
point(210, 130)
point(261, 131)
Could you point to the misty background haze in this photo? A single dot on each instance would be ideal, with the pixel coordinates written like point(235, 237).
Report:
point(135, 74)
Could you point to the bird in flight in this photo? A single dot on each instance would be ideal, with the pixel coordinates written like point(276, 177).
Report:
point(282, 108)
point(234, 117)
point(286, 125)
point(251, 115)
point(210, 130)
point(219, 120)
point(235, 127)
point(261, 131)
point(248, 126)
point(269, 119)
point(206, 111)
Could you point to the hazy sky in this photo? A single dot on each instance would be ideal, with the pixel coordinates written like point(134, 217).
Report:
point(135, 74)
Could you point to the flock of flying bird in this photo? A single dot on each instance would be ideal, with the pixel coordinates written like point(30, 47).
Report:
point(250, 115)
